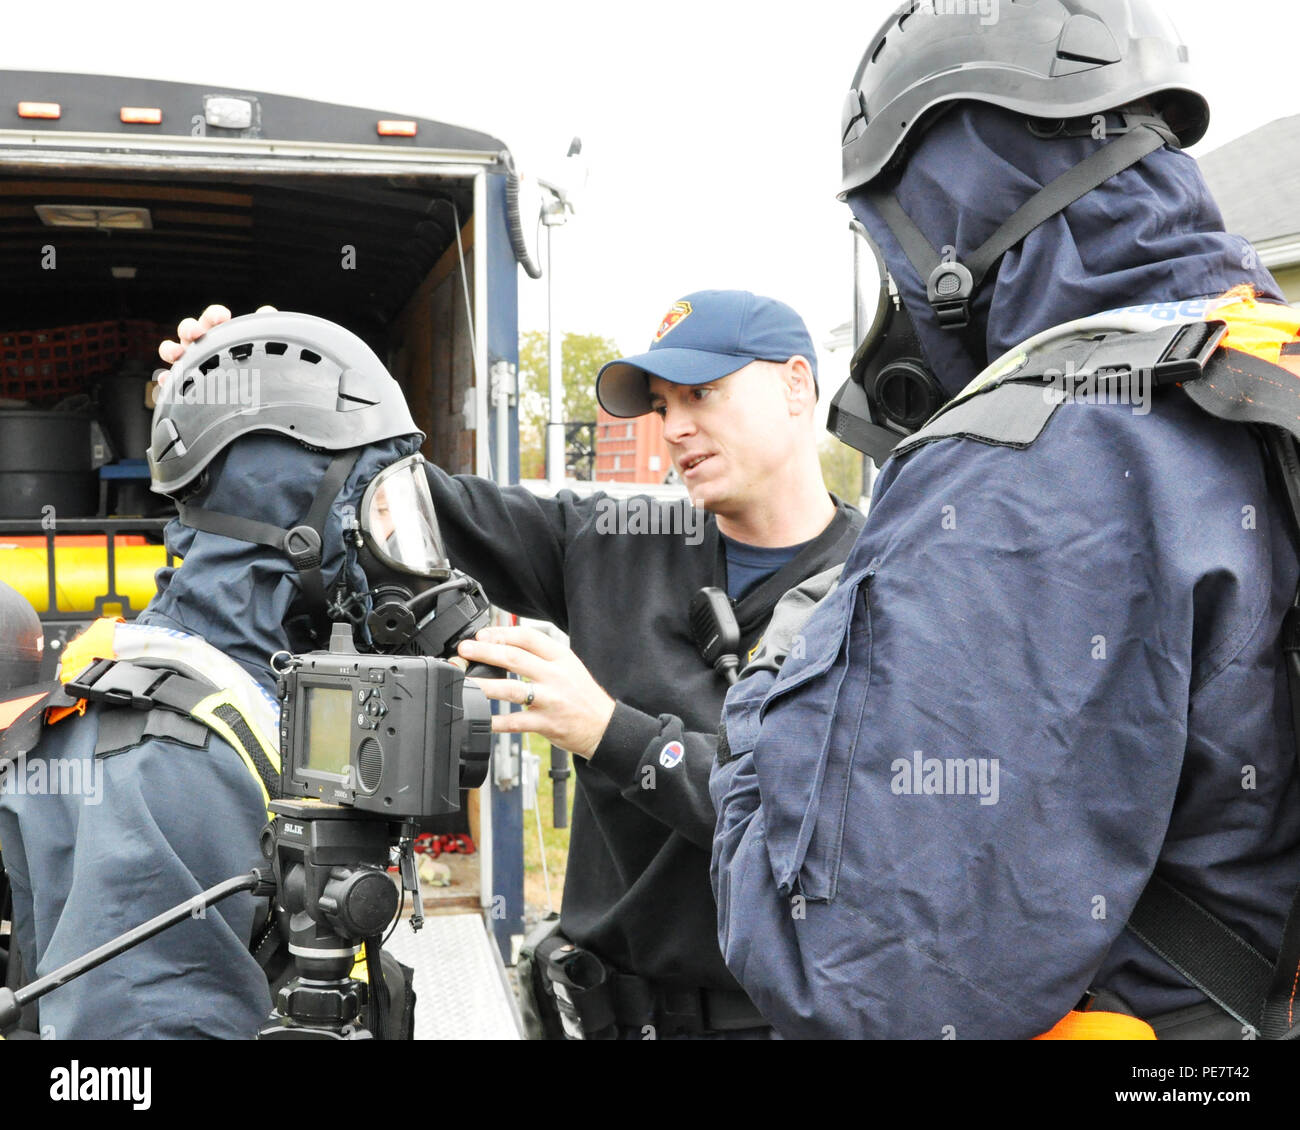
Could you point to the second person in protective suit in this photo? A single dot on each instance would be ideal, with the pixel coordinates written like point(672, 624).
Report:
point(269, 488)
point(1044, 721)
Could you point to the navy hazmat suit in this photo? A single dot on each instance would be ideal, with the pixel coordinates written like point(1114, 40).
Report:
point(174, 816)
point(1093, 621)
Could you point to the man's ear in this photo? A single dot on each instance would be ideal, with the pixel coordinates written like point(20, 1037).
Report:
point(800, 385)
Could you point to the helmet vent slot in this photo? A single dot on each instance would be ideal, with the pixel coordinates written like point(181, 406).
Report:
point(210, 364)
point(310, 357)
point(241, 352)
point(277, 348)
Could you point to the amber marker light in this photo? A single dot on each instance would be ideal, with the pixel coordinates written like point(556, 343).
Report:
point(39, 110)
point(141, 115)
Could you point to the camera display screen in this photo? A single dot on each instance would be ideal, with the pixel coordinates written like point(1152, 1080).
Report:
point(329, 730)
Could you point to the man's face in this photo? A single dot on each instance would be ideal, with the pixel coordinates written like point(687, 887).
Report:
point(732, 439)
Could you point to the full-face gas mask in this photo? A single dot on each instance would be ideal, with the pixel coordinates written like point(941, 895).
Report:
point(419, 604)
point(891, 392)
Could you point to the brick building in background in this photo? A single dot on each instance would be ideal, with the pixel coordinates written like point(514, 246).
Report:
point(631, 451)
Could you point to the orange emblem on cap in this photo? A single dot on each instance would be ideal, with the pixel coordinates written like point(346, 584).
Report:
point(676, 313)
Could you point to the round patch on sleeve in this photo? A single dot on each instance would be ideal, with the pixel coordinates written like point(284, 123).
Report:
point(671, 755)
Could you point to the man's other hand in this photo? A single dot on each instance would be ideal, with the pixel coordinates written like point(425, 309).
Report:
point(191, 329)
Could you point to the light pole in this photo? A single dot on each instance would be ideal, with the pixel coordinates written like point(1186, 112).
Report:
point(555, 213)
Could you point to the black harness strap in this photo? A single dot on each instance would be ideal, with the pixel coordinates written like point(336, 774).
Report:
point(228, 526)
point(828, 548)
point(119, 682)
point(1070, 187)
point(1227, 969)
point(313, 584)
point(121, 730)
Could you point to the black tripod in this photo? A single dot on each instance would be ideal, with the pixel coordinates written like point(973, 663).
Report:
point(329, 866)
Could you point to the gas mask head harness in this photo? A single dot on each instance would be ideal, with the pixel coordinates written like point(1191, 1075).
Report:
point(1062, 63)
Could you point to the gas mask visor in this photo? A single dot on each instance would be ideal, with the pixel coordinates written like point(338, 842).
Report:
point(891, 392)
point(399, 525)
point(419, 604)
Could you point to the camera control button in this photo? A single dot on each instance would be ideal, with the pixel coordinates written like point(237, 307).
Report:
point(363, 694)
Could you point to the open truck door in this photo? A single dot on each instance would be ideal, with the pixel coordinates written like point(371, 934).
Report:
point(126, 204)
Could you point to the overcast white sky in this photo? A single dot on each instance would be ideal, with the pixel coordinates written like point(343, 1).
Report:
point(710, 127)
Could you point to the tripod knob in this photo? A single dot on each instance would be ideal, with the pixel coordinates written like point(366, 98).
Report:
point(358, 903)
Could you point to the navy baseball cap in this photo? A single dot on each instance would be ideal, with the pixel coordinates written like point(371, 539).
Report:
point(704, 337)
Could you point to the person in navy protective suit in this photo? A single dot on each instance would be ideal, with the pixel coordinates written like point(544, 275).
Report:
point(1034, 757)
point(171, 799)
point(733, 376)
point(22, 643)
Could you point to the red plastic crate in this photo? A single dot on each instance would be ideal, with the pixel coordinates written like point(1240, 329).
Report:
point(50, 364)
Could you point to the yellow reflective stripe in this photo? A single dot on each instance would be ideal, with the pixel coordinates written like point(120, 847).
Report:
point(205, 712)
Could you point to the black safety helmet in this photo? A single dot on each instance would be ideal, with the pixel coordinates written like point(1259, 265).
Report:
point(301, 376)
point(22, 641)
point(1061, 63)
point(1050, 59)
point(292, 374)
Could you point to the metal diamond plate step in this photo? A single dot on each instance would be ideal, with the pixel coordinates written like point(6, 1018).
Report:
point(460, 983)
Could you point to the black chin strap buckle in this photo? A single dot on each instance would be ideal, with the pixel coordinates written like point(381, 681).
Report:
point(950, 290)
point(302, 545)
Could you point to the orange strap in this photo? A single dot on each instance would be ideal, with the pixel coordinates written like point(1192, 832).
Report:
point(1100, 1026)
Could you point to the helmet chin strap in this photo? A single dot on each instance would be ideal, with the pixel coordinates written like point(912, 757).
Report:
point(301, 544)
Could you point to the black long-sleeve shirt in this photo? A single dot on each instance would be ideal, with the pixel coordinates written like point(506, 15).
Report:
point(637, 888)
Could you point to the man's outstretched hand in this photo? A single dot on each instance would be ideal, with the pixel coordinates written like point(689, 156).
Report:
point(568, 706)
point(191, 329)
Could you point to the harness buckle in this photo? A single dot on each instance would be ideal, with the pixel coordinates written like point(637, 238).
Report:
point(1189, 352)
point(117, 684)
point(950, 289)
point(302, 545)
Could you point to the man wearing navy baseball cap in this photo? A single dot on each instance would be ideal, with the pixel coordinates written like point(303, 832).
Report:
point(704, 337)
point(733, 377)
